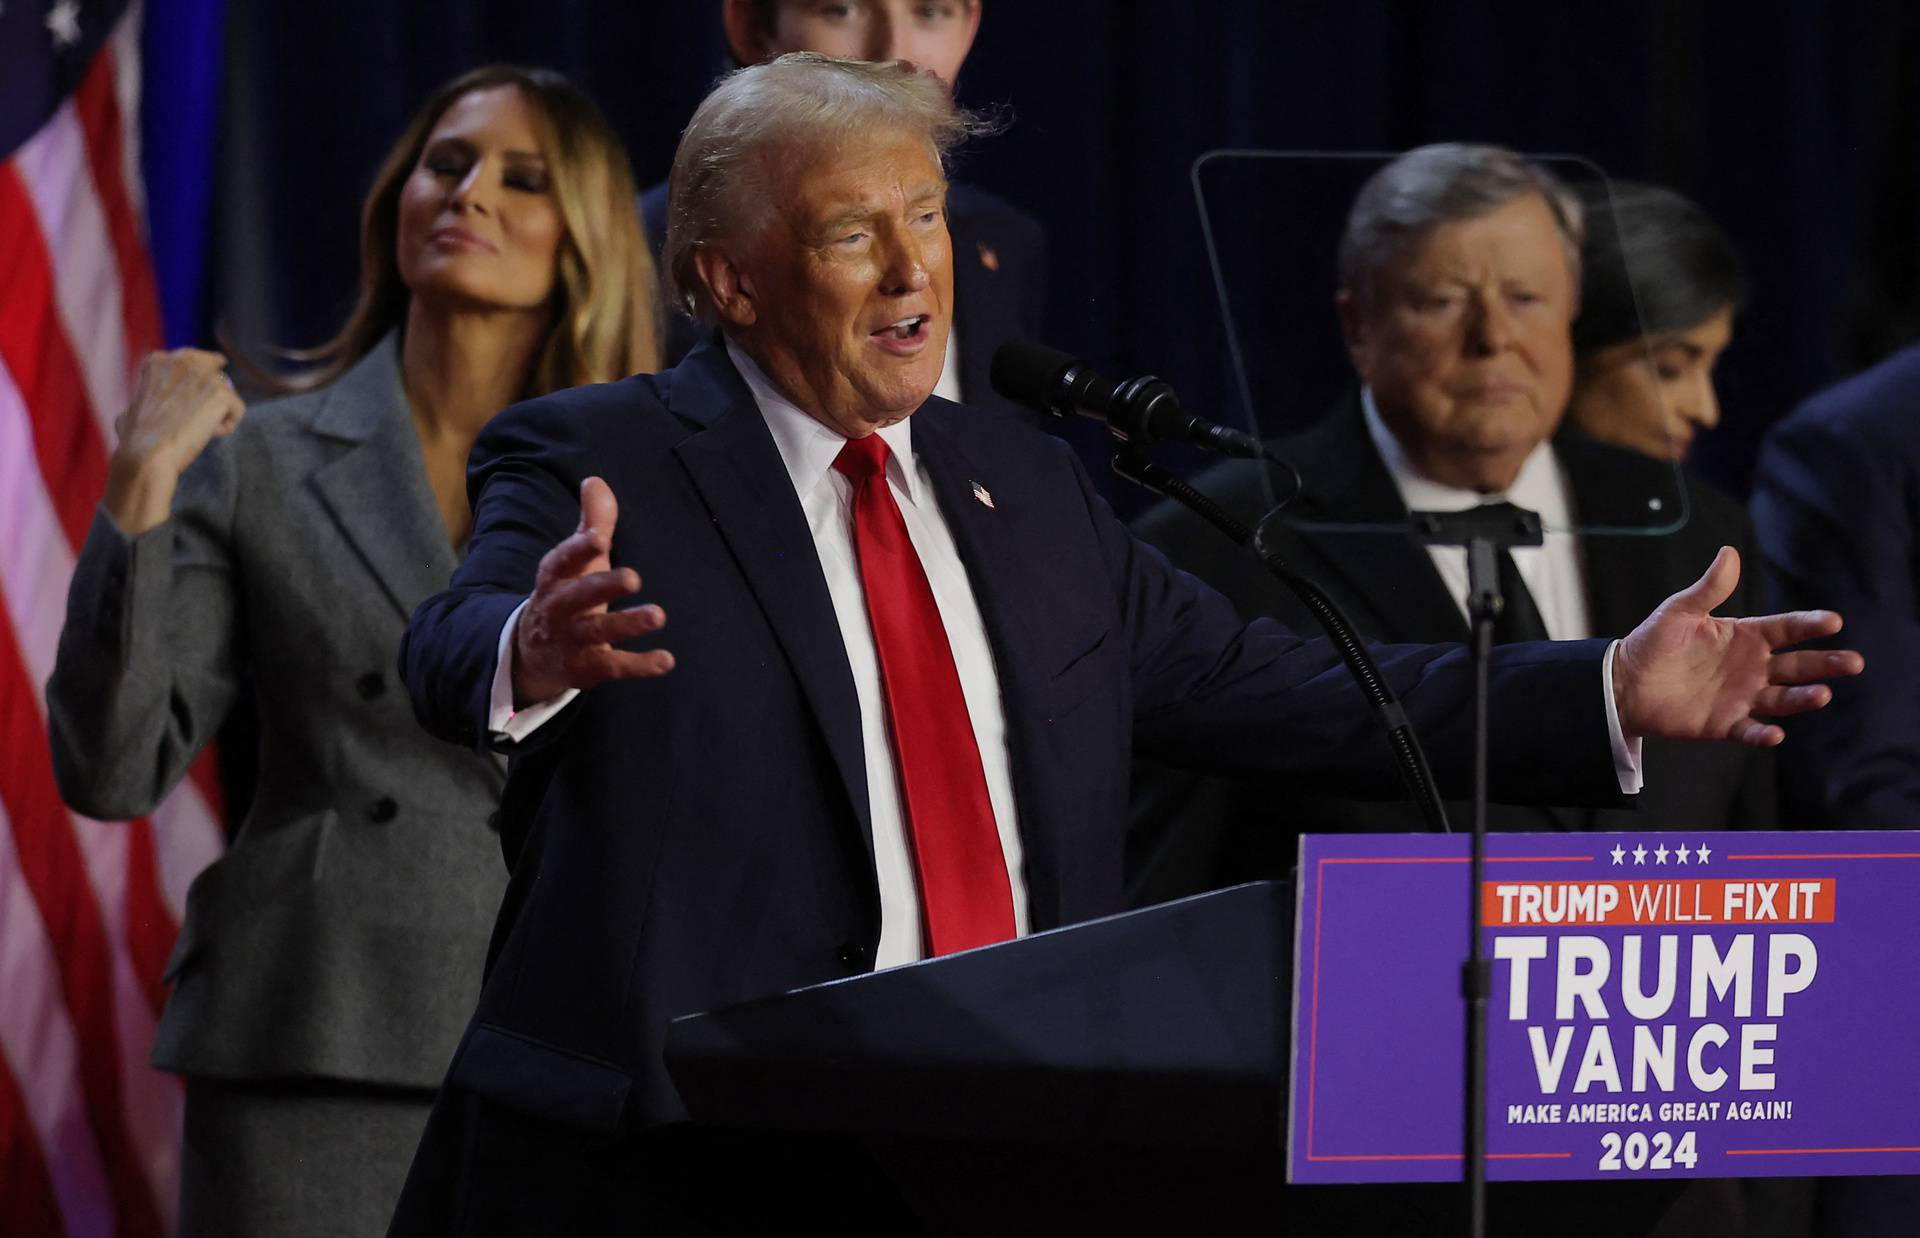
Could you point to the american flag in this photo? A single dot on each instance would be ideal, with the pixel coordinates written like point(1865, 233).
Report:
point(89, 1132)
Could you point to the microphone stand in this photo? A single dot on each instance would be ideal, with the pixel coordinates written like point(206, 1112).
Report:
point(1486, 533)
point(1410, 759)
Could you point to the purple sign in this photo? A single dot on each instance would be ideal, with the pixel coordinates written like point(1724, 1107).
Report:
point(1664, 1004)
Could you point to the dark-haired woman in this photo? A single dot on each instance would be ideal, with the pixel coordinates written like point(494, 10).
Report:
point(329, 959)
point(1659, 287)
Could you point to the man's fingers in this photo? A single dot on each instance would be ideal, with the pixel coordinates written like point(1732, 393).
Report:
point(572, 557)
point(1808, 665)
point(1755, 734)
point(1703, 596)
point(1797, 626)
point(648, 665)
point(1782, 702)
point(615, 626)
point(604, 664)
point(581, 594)
point(599, 510)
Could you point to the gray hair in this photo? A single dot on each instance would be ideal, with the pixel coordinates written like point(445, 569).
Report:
point(1424, 188)
point(802, 101)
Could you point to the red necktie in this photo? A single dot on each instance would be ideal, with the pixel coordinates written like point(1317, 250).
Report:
point(965, 898)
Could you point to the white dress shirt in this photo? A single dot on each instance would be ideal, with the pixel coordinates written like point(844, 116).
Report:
point(1555, 571)
point(948, 388)
point(808, 447)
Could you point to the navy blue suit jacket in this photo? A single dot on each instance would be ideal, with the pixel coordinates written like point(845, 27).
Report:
point(1836, 503)
point(999, 284)
point(1389, 588)
point(685, 842)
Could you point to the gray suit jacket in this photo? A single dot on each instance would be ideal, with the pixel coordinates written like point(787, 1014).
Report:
point(343, 933)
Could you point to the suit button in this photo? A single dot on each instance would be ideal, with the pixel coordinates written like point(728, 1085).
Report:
point(382, 810)
point(854, 956)
point(493, 822)
point(371, 685)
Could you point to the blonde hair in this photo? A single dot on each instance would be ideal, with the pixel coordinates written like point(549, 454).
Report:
point(606, 318)
point(800, 100)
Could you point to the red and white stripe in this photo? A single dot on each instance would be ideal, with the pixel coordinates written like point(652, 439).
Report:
point(89, 1132)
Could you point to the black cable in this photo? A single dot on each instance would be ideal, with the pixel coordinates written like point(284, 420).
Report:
point(1410, 759)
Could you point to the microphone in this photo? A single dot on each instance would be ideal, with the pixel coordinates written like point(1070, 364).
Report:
point(1136, 410)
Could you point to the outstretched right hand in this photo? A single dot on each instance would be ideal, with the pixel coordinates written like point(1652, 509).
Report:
point(566, 635)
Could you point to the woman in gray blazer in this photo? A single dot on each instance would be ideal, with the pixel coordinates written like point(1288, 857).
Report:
point(329, 960)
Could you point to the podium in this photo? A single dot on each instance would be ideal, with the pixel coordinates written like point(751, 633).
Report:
point(1128, 1071)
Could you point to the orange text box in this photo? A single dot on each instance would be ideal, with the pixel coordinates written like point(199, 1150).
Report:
point(1575, 904)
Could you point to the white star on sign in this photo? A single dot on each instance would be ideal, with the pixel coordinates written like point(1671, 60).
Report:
point(1660, 854)
point(1704, 853)
point(1618, 853)
point(1680, 855)
point(1639, 855)
point(63, 23)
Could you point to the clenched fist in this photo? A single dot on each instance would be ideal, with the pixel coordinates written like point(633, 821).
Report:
point(181, 402)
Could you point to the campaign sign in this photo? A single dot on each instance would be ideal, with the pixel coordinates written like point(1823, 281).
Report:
point(1679, 1004)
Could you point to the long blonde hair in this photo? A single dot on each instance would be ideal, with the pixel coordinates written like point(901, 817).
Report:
point(606, 306)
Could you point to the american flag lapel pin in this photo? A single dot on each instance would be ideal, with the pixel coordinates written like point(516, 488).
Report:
point(981, 496)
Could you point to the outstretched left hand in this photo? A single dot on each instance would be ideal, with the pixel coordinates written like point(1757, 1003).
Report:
point(1684, 674)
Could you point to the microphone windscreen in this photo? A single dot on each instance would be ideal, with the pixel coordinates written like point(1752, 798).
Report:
point(1028, 373)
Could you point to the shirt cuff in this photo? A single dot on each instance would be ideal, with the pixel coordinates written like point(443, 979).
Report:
point(506, 722)
point(1626, 753)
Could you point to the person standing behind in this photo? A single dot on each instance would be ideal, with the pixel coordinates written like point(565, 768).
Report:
point(1460, 278)
point(999, 251)
point(1660, 284)
point(1833, 503)
point(1833, 499)
point(329, 959)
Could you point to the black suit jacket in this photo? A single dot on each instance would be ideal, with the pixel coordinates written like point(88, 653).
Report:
point(686, 842)
point(1191, 833)
point(999, 285)
point(1837, 501)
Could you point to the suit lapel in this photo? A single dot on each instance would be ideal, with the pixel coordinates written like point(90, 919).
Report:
point(737, 471)
point(1624, 584)
point(374, 483)
point(1391, 574)
point(992, 551)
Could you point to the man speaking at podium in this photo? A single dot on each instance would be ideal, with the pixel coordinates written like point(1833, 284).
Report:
point(911, 653)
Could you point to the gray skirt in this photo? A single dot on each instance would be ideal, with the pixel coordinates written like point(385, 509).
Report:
point(296, 1160)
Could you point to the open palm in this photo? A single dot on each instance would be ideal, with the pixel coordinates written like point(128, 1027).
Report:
point(1685, 674)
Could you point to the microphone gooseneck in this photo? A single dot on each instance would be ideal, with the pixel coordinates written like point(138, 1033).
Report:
point(1137, 411)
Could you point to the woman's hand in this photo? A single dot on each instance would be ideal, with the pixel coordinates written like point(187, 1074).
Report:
point(181, 403)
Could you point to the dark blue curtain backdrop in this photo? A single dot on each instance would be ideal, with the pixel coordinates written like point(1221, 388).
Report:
point(1794, 124)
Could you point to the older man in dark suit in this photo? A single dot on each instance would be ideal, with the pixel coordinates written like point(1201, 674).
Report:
point(1460, 274)
point(1833, 500)
point(911, 654)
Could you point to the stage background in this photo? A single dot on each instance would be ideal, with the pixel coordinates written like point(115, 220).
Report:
point(1794, 125)
point(260, 124)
